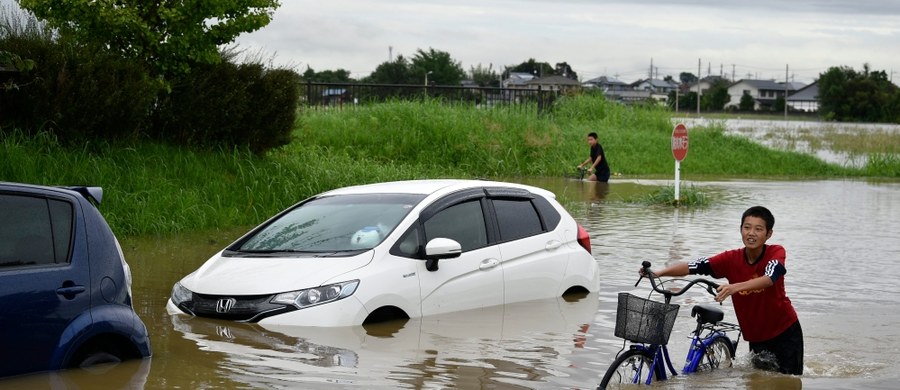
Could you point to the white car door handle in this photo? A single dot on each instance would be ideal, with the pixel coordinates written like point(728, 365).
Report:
point(488, 263)
point(553, 244)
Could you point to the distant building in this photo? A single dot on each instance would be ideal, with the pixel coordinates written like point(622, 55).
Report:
point(518, 80)
point(605, 83)
point(553, 83)
point(763, 92)
point(656, 86)
point(806, 98)
point(706, 84)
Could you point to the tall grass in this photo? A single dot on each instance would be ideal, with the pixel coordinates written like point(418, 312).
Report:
point(501, 142)
point(157, 188)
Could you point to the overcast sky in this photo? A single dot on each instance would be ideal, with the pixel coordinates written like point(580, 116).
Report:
point(616, 38)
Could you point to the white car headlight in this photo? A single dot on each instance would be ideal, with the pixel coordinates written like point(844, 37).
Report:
point(180, 294)
point(317, 295)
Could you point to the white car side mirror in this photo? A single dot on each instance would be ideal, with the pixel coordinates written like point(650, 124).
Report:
point(440, 248)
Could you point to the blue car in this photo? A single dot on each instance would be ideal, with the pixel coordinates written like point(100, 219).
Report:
point(65, 288)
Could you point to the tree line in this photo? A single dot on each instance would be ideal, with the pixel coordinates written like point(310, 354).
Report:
point(85, 69)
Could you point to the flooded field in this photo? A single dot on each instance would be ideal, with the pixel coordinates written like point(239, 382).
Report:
point(847, 144)
point(842, 243)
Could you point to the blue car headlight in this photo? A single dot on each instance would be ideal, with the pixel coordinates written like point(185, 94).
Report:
point(317, 295)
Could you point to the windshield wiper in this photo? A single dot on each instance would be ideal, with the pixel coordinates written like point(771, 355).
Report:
point(278, 252)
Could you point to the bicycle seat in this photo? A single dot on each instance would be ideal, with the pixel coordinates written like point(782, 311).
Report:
point(707, 314)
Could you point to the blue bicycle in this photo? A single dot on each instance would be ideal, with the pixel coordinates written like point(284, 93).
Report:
point(649, 323)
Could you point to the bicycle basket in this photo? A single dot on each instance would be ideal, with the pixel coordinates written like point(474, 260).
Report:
point(644, 321)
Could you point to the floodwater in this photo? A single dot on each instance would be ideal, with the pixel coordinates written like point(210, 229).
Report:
point(842, 243)
point(796, 135)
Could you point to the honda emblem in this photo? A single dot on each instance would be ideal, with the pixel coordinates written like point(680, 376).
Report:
point(225, 304)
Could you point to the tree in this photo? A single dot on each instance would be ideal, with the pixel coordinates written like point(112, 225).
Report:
point(484, 77)
point(439, 67)
point(392, 72)
point(868, 96)
point(563, 69)
point(687, 78)
point(172, 35)
point(779, 104)
point(716, 97)
point(747, 103)
point(327, 76)
point(538, 69)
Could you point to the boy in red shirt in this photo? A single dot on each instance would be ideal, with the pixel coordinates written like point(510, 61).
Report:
point(755, 276)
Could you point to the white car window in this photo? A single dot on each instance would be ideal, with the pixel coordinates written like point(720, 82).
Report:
point(516, 219)
point(463, 223)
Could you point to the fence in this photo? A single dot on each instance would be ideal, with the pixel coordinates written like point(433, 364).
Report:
point(345, 95)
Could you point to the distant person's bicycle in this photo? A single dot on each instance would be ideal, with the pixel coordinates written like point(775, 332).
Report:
point(580, 173)
point(648, 324)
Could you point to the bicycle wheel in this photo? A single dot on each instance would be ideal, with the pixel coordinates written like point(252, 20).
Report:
point(629, 368)
point(719, 354)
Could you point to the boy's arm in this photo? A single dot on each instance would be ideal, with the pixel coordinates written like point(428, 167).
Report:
point(679, 269)
point(758, 283)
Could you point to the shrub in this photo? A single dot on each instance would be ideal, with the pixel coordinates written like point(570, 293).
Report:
point(77, 92)
point(230, 104)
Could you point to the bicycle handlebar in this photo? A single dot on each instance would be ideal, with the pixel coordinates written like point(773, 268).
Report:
point(711, 286)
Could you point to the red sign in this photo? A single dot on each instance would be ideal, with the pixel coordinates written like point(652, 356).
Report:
point(679, 141)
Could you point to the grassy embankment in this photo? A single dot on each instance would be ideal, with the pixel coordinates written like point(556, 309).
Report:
point(153, 188)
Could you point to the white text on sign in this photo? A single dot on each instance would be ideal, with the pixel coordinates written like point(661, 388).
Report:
point(679, 143)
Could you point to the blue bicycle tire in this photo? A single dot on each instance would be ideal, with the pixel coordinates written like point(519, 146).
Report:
point(626, 365)
point(719, 354)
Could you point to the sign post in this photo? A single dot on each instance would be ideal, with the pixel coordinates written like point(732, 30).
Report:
point(679, 151)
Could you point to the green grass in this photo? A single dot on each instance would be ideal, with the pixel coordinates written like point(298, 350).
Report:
point(157, 188)
point(687, 196)
point(154, 188)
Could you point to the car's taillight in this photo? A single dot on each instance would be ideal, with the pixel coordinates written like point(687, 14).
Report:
point(584, 239)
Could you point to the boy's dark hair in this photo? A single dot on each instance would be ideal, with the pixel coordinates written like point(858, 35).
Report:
point(592, 135)
point(760, 212)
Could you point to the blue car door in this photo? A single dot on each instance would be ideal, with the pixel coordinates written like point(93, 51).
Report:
point(44, 279)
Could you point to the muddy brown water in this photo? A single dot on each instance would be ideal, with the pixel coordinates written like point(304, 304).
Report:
point(842, 238)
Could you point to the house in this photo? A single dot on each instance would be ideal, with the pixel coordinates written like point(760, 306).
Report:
point(335, 96)
point(763, 92)
point(706, 84)
point(517, 80)
point(656, 86)
point(553, 83)
point(605, 83)
point(806, 98)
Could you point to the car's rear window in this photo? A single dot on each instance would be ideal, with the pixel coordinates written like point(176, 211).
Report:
point(328, 224)
point(34, 230)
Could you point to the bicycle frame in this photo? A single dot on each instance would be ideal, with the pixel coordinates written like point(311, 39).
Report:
point(661, 359)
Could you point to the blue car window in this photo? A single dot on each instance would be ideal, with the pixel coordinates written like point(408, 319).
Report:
point(27, 231)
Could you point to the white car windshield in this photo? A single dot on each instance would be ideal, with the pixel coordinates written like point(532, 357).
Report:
point(340, 223)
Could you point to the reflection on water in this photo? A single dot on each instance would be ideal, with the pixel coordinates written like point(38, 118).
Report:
point(841, 240)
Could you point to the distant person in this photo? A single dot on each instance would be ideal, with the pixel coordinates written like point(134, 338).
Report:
point(755, 275)
point(599, 168)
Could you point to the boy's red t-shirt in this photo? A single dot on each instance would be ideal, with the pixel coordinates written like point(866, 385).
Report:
point(762, 314)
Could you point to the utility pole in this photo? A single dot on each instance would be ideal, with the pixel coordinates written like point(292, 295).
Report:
point(786, 84)
point(699, 63)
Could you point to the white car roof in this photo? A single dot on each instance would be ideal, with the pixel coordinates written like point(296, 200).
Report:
point(427, 187)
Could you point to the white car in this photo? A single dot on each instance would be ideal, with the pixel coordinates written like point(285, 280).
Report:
point(394, 250)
